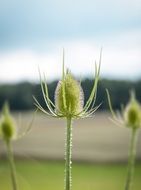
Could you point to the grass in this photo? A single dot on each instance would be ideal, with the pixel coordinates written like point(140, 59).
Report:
point(49, 175)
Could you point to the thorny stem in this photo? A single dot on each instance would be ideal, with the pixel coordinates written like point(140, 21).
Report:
point(131, 161)
point(12, 165)
point(68, 148)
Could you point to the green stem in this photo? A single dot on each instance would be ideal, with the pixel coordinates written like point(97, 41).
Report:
point(131, 161)
point(12, 165)
point(68, 154)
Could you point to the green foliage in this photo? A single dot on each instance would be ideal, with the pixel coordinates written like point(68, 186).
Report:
point(20, 95)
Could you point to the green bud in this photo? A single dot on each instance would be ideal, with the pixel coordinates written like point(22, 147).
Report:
point(69, 96)
point(132, 113)
point(7, 125)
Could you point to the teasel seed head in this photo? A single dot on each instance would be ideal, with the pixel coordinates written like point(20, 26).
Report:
point(69, 96)
point(7, 124)
point(132, 113)
point(130, 116)
point(8, 127)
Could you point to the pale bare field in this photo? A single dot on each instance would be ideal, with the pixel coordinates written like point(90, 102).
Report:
point(94, 139)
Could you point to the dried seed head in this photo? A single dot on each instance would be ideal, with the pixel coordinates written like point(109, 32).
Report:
point(69, 96)
point(132, 114)
point(7, 125)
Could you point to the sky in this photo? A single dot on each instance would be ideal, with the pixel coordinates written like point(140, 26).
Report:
point(34, 33)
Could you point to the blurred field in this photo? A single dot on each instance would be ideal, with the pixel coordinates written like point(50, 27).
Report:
point(100, 152)
point(45, 175)
point(94, 139)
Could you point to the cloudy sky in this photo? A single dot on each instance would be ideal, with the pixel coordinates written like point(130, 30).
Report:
point(34, 33)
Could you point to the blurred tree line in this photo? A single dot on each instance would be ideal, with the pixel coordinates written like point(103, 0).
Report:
point(20, 96)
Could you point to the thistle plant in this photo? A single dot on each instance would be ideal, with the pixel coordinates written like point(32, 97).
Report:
point(69, 104)
point(131, 118)
point(9, 133)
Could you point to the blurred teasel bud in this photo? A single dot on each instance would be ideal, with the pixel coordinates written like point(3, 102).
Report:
point(7, 124)
point(132, 113)
point(69, 96)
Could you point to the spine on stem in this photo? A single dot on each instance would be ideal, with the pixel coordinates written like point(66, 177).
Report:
point(68, 149)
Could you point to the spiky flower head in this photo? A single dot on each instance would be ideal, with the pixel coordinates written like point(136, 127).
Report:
point(7, 124)
point(130, 115)
point(69, 97)
point(8, 127)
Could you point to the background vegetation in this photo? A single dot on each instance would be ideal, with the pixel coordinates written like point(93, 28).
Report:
point(20, 95)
